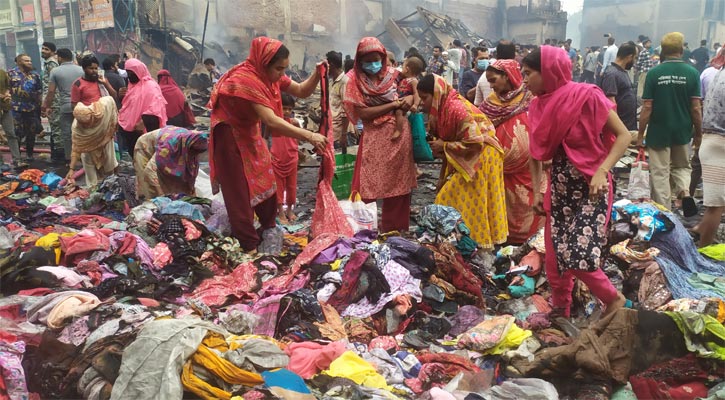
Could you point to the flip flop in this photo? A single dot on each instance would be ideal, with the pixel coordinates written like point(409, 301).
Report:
point(689, 207)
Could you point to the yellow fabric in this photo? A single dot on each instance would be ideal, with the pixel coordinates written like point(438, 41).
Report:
point(714, 251)
point(236, 342)
point(93, 127)
point(349, 365)
point(219, 367)
point(513, 340)
point(199, 387)
point(482, 201)
point(300, 240)
point(52, 241)
point(336, 265)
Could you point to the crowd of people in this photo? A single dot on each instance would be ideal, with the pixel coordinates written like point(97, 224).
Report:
point(514, 159)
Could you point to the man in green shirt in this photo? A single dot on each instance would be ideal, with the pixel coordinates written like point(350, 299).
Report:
point(6, 117)
point(672, 106)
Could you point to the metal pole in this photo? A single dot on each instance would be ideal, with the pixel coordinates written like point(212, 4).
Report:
point(72, 26)
point(203, 35)
point(166, 36)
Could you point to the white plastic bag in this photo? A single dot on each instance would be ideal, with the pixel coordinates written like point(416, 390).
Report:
point(202, 186)
point(361, 216)
point(639, 186)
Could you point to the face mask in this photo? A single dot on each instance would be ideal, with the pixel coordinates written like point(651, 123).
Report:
point(372, 67)
point(482, 65)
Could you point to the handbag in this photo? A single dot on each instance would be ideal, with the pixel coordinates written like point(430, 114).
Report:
point(639, 185)
point(361, 216)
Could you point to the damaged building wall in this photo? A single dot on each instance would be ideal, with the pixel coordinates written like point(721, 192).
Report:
point(626, 19)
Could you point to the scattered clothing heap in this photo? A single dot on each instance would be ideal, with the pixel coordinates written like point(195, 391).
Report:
point(106, 298)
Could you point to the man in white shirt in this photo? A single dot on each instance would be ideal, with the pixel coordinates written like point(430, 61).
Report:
point(454, 56)
point(610, 55)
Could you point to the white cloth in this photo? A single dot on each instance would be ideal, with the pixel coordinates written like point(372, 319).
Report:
point(448, 73)
point(93, 174)
point(483, 89)
point(706, 78)
point(609, 56)
point(454, 56)
point(712, 158)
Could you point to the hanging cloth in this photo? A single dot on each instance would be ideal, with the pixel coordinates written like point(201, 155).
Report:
point(328, 216)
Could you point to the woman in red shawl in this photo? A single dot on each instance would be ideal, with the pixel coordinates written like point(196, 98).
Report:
point(506, 107)
point(384, 168)
point(471, 179)
point(239, 158)
point(177, 109)
point(575, 126)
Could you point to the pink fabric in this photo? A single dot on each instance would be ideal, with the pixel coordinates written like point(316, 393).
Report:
point(142, 98)
point(85, 242)
point(569, 115)
point(282, 283)
point(328, 216)
point(285, 154)
point(240, 284)
point(162, 255)
point(191, 231)
point(306, 359)
point(562, 285)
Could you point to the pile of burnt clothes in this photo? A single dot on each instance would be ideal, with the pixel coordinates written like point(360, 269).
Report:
point(106, 297)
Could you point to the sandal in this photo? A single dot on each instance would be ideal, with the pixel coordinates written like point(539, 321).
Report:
point(689, 207)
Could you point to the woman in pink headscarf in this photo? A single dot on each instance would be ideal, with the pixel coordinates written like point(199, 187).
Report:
point(575, 126)
point(144, 107)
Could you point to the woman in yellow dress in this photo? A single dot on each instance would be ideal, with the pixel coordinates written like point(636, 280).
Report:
point(471, 179)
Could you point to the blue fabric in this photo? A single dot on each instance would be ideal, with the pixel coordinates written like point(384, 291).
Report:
point(679, 259)
point(421, 148)
point(285, 379)
point(437, 219)
point(178, 207)
point(650, 217)
point(51, 180)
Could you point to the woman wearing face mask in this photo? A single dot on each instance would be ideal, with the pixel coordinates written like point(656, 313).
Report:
point(143, 108)
point(575, 126)
point(384, 168)
point(239, 158)
point(471, 179)
point(506, 107)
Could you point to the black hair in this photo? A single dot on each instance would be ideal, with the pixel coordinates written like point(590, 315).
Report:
point(626, 50)
point(506, 51)
point(438, 47)
point(50, 45)
point(88, 60)
point(210, 61)
point(334, 59)
point(288, 100)
point(116, 58)
point(427, 84)
point(533, 60)
point(281, 54)
point(611, 40)
point(703, 42)
point(108, 63)
point(65, 54)
point(349, 64)
point(457, 43)
point(495, 70)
